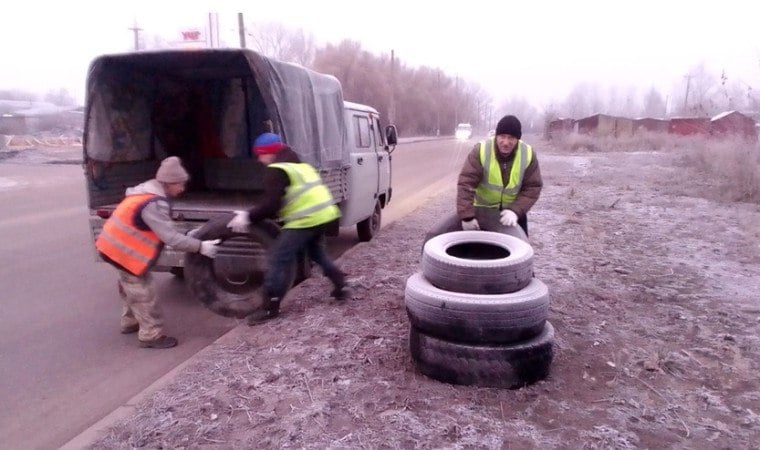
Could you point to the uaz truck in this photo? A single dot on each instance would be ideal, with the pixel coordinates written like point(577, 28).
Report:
point(207, 107)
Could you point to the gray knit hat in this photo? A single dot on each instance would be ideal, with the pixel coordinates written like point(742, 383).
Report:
point(171, 171)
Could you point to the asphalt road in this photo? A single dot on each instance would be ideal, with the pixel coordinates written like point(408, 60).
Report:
point(63, 363)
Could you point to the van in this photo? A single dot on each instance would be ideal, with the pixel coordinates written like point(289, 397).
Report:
point(207, 107)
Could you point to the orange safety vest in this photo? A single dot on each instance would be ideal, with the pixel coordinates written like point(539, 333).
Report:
point(124, 243)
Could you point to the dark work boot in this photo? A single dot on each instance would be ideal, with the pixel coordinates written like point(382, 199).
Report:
point(341, 292)
point(340, 289)
point(160, 342)
point(270, 310)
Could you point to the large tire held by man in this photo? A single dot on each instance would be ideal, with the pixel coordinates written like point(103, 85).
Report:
point(477, 262)
point(230, 284)
point(477, 318)
point(511, 366)
point(369, 227)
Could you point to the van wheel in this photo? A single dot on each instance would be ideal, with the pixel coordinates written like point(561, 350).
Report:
point(369, 227)
point(230, 284)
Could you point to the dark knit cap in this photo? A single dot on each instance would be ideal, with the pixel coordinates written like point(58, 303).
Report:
point(509, 125)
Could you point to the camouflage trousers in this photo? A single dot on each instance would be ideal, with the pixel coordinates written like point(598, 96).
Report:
point(139, 306)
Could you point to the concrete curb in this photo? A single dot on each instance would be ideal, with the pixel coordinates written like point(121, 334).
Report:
point(86, 438)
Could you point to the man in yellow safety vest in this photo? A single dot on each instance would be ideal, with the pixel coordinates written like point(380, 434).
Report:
point(500, 176)
point(295, 193)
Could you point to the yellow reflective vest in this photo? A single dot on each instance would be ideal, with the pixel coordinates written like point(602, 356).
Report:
point(492, 192)
point(124, 243)
point(308, 202)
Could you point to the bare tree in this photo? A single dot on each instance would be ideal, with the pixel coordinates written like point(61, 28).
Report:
point(529, 116)
point(654, 105)
point(700, 91)
point(584, 100)
point(60, 97)
point(279, 42)
point(19, 95)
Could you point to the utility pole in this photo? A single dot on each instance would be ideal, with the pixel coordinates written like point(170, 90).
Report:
point(213, 30)
point(438, 104)
point(456, 101)
point(136, 30)
point(210, 37)
point(686, 97)
point(392, 106)
point(241, 30)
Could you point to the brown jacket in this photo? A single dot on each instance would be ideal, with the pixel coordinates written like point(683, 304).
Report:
point(472, 173)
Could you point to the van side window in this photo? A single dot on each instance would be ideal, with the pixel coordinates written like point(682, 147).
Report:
point(379, 138)
point(363, 138)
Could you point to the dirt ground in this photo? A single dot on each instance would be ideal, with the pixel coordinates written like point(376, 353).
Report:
point(654, 298)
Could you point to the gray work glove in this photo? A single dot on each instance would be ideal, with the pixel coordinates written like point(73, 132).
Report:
point(508, 218)
point(209, 248)
point(240, 223)
point(470, 225)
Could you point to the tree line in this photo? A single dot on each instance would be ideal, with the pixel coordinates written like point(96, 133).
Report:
point(429, 101)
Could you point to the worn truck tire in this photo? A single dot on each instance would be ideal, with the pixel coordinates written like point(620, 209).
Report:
point(477, 262)
point(369, 227)
point(510, 366)
point(477, 318)
point(222, 285)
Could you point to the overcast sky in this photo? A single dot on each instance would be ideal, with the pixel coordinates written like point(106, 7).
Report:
point(536, 49)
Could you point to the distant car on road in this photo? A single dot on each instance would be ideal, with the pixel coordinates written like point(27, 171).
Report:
point(463, 131)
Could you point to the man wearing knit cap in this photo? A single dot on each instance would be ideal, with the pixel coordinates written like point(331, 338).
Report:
point(295, 194)
point(132, 239)
point(500, 176)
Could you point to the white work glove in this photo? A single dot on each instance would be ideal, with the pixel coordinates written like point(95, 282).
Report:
point(209, 248)
point(470, 225)
point(240, 223)
point(508, 218)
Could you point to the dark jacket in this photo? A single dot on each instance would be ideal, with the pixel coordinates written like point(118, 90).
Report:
point(276, 182)
point(472, 173)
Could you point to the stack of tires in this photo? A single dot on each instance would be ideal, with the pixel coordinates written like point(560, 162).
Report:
point(478, 315)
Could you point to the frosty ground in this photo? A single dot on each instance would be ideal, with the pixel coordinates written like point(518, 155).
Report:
point(654, 297)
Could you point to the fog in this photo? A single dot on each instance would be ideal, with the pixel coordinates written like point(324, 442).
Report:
point(540, 51)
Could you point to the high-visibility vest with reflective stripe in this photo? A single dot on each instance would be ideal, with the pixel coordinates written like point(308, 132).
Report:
point(491, 192)
point(124, 243)
point(308, 202)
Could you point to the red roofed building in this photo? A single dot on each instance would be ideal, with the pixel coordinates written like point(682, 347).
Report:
point(733, 124)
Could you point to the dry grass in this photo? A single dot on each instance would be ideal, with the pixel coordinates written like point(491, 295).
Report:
point(729, 168)
point(652, 294)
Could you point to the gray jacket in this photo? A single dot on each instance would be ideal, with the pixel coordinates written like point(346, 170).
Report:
point(157, 215)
